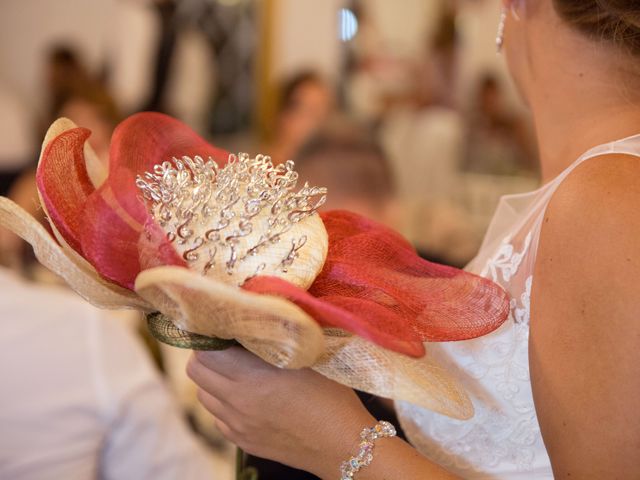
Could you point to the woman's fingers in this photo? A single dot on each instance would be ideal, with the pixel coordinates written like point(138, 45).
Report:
point(276, 413)
point(226, 432)
point(214, 406)
point(233, 363)
point(209, 380)
point(226, 418)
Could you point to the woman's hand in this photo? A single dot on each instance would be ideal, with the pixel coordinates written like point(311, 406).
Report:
point(295, 417)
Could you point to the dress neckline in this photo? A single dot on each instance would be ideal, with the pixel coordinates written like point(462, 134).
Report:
point(602, 149)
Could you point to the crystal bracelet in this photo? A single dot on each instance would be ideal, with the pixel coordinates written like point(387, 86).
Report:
point(364, 457)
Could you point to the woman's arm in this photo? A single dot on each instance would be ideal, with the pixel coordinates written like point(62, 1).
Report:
point(585, 323)
point(585, 339)
point(298, 418)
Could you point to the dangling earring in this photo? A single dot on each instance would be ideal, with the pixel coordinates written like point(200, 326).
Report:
point(501, 29)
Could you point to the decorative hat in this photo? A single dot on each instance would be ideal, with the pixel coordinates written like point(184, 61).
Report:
point(228, 247)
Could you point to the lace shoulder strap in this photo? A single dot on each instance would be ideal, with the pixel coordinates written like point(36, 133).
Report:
point(520, 216)
point(626, 146)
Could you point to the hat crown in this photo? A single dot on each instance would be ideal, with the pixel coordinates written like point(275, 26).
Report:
point(240, 220)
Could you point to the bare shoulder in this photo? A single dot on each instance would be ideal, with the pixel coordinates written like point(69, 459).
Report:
point(585, 321)
point(592, 224)
point(592, 190)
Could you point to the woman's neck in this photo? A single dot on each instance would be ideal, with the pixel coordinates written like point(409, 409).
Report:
point(579, 100)
point(563, 139)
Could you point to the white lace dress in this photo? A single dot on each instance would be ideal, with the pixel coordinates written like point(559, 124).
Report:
point(502, 440)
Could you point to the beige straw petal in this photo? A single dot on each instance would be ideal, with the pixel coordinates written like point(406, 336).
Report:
point(97, 174)
point(59, 126)
point(272, 328)
point(283, 335)
point(75, 271)
point(355, 362)
point(96, 169)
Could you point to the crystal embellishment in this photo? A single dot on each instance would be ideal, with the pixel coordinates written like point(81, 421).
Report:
point(236, 221)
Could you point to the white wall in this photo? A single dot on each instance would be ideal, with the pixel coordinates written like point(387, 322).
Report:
point(121, 31)
point(306, 37)
point(403, 25)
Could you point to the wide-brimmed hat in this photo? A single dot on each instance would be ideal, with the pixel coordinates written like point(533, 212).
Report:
point(229, 247)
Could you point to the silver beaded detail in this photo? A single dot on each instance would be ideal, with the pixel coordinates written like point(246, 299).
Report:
point(228, 214)
point(364, 457)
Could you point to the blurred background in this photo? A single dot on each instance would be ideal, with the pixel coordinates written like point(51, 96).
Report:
point(401, 108)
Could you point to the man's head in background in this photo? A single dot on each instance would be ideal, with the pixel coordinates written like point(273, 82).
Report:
point(356, 174)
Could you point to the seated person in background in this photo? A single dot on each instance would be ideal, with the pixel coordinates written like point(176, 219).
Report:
point(91, 110)
point(499, 141)
point(67, 77)
point(89, 107)
point(16, 146)
point(356, 173)
point(80, 397)
point(306, 103)
point(359, 178)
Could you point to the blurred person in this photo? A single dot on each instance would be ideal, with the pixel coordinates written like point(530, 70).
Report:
point(555, 389)
point(437, 74)
point(16, 148)
point(356, 174)
point(96, 112)
point(67, 78)
point(360, 178)
point(65, 75)
point(423, 135)
point(16, 155)
point(165, 49)
point(425, 123)
point(89, 108)
point(80, 397)
point(432, 80)
point(14, 251)
point(306, 103)
point(425, 146)
point(377, 78)
point(499, 141)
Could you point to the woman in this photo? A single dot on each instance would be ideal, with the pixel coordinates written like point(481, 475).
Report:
point(305, 106)
point(556, 388)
